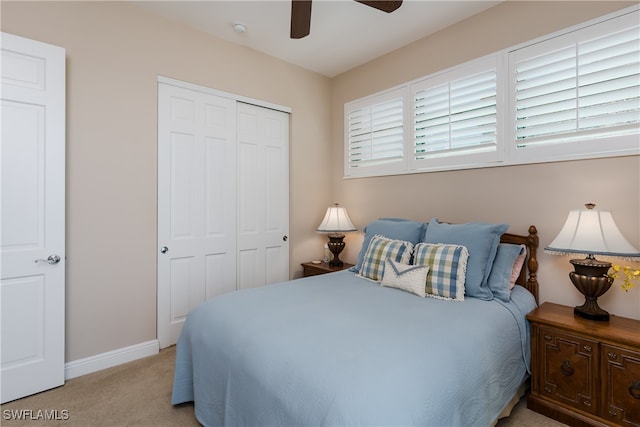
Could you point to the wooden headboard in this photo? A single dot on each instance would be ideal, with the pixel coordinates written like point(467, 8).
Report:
point(529, 274)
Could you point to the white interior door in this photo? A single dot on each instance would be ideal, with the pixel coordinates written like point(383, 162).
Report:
point(263, 196)
point(33, 217)
point(196, 203)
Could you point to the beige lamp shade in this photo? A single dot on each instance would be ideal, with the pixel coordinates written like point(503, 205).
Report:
point(336, 220)
point(592, 232)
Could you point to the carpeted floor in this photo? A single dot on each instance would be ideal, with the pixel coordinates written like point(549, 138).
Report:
point(138, 394)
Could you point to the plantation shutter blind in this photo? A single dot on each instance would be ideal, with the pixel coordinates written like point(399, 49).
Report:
point(375, 133)
point(460, 115)
point(584, 89)
point(573, 94)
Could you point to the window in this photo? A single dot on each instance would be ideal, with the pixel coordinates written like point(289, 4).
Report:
point(455, 117)
point(375, 134)
point(572, 95)
point(580, 91)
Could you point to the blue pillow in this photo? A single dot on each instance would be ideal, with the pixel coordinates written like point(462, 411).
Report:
point(392, 228)
point(481, 240)
point(501, 271)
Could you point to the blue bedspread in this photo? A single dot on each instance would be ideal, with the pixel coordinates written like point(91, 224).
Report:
point(338, 350)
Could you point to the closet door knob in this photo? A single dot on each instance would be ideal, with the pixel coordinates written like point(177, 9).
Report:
point(285, 238)
point(52, 259)
point(164, 249)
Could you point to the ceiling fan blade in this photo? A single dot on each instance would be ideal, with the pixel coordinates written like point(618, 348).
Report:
point(300, 18)
point(383, 5)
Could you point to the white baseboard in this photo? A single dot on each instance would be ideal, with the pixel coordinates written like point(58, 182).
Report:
point(106, 360)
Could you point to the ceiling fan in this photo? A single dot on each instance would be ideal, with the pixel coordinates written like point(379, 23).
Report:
point(301, 14)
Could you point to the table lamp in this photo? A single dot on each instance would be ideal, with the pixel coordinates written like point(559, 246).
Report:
point(336, 221)
point(591, 232)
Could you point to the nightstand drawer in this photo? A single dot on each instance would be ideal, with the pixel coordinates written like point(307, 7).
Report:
point(312, 270)
point(315, 268)
point(568, 369)
point(621, 385)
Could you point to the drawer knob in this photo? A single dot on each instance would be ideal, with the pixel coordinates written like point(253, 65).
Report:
point(612, 356)
point(566, 368)
point(634, 389)
point(587, 348)
point(613, 413)
point(547, 337)
point(547, 389)
point(587, 403)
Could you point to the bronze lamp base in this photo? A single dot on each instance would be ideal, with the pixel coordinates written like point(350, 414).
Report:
point(336, 245)
point(590, 278)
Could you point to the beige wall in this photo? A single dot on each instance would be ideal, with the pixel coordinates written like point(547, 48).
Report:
point(115, 52)
point(518, 195)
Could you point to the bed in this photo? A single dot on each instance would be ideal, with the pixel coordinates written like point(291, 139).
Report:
point(343, 349)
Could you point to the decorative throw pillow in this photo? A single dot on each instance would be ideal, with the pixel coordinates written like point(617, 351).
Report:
point(503, 270)
point(392, 228)
point(380, 248)
point(447, 269)
point(517, 266)
point(410, 278)
point(481, 240)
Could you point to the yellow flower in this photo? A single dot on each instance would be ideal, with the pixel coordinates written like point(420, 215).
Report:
point(629, 275)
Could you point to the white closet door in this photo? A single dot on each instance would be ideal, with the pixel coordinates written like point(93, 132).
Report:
point(33, 217)
point(196, 203)
point(263, 196)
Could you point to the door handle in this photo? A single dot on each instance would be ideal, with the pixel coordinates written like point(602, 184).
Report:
point(164, 249)
point(52, 259)
point(566, 368)
point(634, 389)
point(285, 238)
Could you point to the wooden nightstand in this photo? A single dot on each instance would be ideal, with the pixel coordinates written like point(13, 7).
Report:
point(311, 269)
point(584, 372)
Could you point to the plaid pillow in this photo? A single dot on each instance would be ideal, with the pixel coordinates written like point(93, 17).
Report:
point(447, 269)
point(380, 248)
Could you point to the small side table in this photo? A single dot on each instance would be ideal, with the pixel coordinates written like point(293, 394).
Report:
point(584, 372)
point(311, 269)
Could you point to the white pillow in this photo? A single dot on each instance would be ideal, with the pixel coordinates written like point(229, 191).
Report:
point(410, 278)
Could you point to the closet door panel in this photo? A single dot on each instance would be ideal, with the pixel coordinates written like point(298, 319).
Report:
point(196, 203)
point(263, 194)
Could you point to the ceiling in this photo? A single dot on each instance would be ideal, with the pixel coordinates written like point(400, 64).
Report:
point(344, 33)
